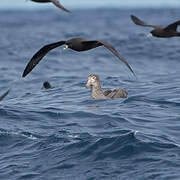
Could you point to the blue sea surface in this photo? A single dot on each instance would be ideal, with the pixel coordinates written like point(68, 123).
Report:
point(61, 133)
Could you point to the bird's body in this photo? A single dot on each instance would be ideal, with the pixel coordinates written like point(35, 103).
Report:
point(159, 31)
point(81, 44)
point(41, 1)
point(55, 2)
point(76, 44)
point(97, 93)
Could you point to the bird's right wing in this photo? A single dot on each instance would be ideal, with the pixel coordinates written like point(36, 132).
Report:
point(39, 55)
point(172, 27)
point(139, 22)
point(4, 95)
point(56, 3)
point(114, 51)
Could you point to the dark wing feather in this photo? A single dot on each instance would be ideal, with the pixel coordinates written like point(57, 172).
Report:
point(172, 26)
point(39, 55)
point(118, 93)
point(107, 92)
point(108, 46)
point(4, 95)
point(56, 3)
point(139, 22)
point(91, 44)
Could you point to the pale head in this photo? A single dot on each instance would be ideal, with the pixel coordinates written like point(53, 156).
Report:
point(66, 46)
point(149, 35)
point(93, 80)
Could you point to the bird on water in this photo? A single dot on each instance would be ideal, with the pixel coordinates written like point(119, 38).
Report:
point(46, 85)
point(97, 93)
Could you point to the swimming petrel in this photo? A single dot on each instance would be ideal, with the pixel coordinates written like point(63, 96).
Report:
point(76, 44)
point(46, 85)
point(55, 2)
point(97, 93)
point(159, 31)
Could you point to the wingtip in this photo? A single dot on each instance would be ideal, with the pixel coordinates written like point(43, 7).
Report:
point(4, 95)
point(68, 11)
point(133, 72)
point(24, 74)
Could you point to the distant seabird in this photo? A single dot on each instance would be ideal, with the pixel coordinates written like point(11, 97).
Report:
point(76, 44)
point(159, 31)
point(4, 95)
point(97, 93)
point(46, 85)
point(55, 2)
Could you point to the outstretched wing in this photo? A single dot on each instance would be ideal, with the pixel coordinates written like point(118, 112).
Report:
point(56, 3)
point(172, 27)
point(4, 95)
point(39, 55)
point(113, 50)
point(139, 22)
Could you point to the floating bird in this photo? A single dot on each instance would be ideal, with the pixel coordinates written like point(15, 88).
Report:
point(97, 93)
point(46, 85)
point(159, 31)
point(76, 44)
point(4, 95)
point(55, 2)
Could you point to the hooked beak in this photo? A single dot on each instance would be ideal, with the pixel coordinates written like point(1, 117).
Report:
point(66, 46)
point(149, 35)
point(88, 83)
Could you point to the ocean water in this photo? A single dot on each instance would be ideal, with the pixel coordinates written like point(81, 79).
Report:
point(61, 133)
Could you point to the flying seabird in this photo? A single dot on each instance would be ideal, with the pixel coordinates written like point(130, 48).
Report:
point(76, 44)
point(159, 31)
point(97, 93)
point(55, 2)
point(4, 95)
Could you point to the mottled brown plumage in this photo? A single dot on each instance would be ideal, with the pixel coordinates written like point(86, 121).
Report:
point(97, 93)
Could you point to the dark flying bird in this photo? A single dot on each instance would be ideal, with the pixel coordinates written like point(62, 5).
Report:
point(97, 93)
point(159, 31)
point(55, 2)
point(76, 44)
point(4, 95)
